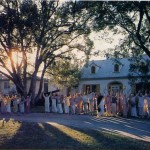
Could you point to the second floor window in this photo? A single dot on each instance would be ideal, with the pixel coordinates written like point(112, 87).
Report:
point(93, 70)
point(116, 68)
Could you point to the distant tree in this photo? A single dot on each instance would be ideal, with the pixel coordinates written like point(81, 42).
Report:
point(139, 72)
point(65, 73)
point(131, 18)
point(47, 29)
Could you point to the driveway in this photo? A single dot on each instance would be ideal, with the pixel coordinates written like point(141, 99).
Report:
point(134, 128)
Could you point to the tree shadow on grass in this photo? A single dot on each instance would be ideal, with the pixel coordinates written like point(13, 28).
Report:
point(42, 136)
point(56, 135)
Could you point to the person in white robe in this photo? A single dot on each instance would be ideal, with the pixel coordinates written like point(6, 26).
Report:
point(72, 105)
point(133, 105)
point(91, 101)
point(85, 103)
point(66, 104)
point(15, 103)
point(54, 107)
point(101, 106)
point(124, 99)
point(114, 104)
point(59, 104)
point(8, 104)
point(46, 98)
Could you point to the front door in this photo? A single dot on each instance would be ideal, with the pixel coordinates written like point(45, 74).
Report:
point(115, 88)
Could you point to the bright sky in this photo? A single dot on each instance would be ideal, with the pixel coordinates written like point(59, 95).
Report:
point(104, 41)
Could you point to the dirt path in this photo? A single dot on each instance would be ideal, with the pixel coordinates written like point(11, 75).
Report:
point(134, 128)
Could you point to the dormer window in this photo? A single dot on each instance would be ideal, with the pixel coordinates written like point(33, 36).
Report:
point(116, 68)
point(93, 70)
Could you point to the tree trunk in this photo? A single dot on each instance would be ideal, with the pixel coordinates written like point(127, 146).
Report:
point(33, 84)
point(41, 85)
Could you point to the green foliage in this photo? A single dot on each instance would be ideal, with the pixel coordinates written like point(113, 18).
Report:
point(65, 74)
point(139, 71)
point(48, 29)
point(133, 18)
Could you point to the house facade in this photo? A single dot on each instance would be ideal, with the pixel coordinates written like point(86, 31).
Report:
point(102, 76)
point(6, 86)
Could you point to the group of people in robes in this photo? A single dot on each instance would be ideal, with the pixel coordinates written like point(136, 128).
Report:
point(110, 104)
point(58, 103)
point(119, 103)
point(14, 103)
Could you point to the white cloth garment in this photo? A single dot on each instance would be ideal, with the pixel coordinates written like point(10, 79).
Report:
point(8, 107)
point(66, 105)
point(59, 108)
point(101, 105)
point(21, 107)
point(85, 103)
point(54, 108)
point(47, 108)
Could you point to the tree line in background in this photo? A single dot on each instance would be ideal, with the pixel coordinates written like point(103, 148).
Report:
point(52, 31)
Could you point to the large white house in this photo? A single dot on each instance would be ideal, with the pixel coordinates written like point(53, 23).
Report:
point(106, 75)
point(98, 76)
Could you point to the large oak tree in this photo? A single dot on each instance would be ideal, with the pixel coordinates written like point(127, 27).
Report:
point(47, 29)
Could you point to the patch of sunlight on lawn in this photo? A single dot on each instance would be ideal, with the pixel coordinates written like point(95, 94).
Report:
point(123, 134)
point(8, 129)
point(75, 134)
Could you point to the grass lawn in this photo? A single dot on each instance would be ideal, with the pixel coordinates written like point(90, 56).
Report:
point(38, 109)
point(24, 135)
